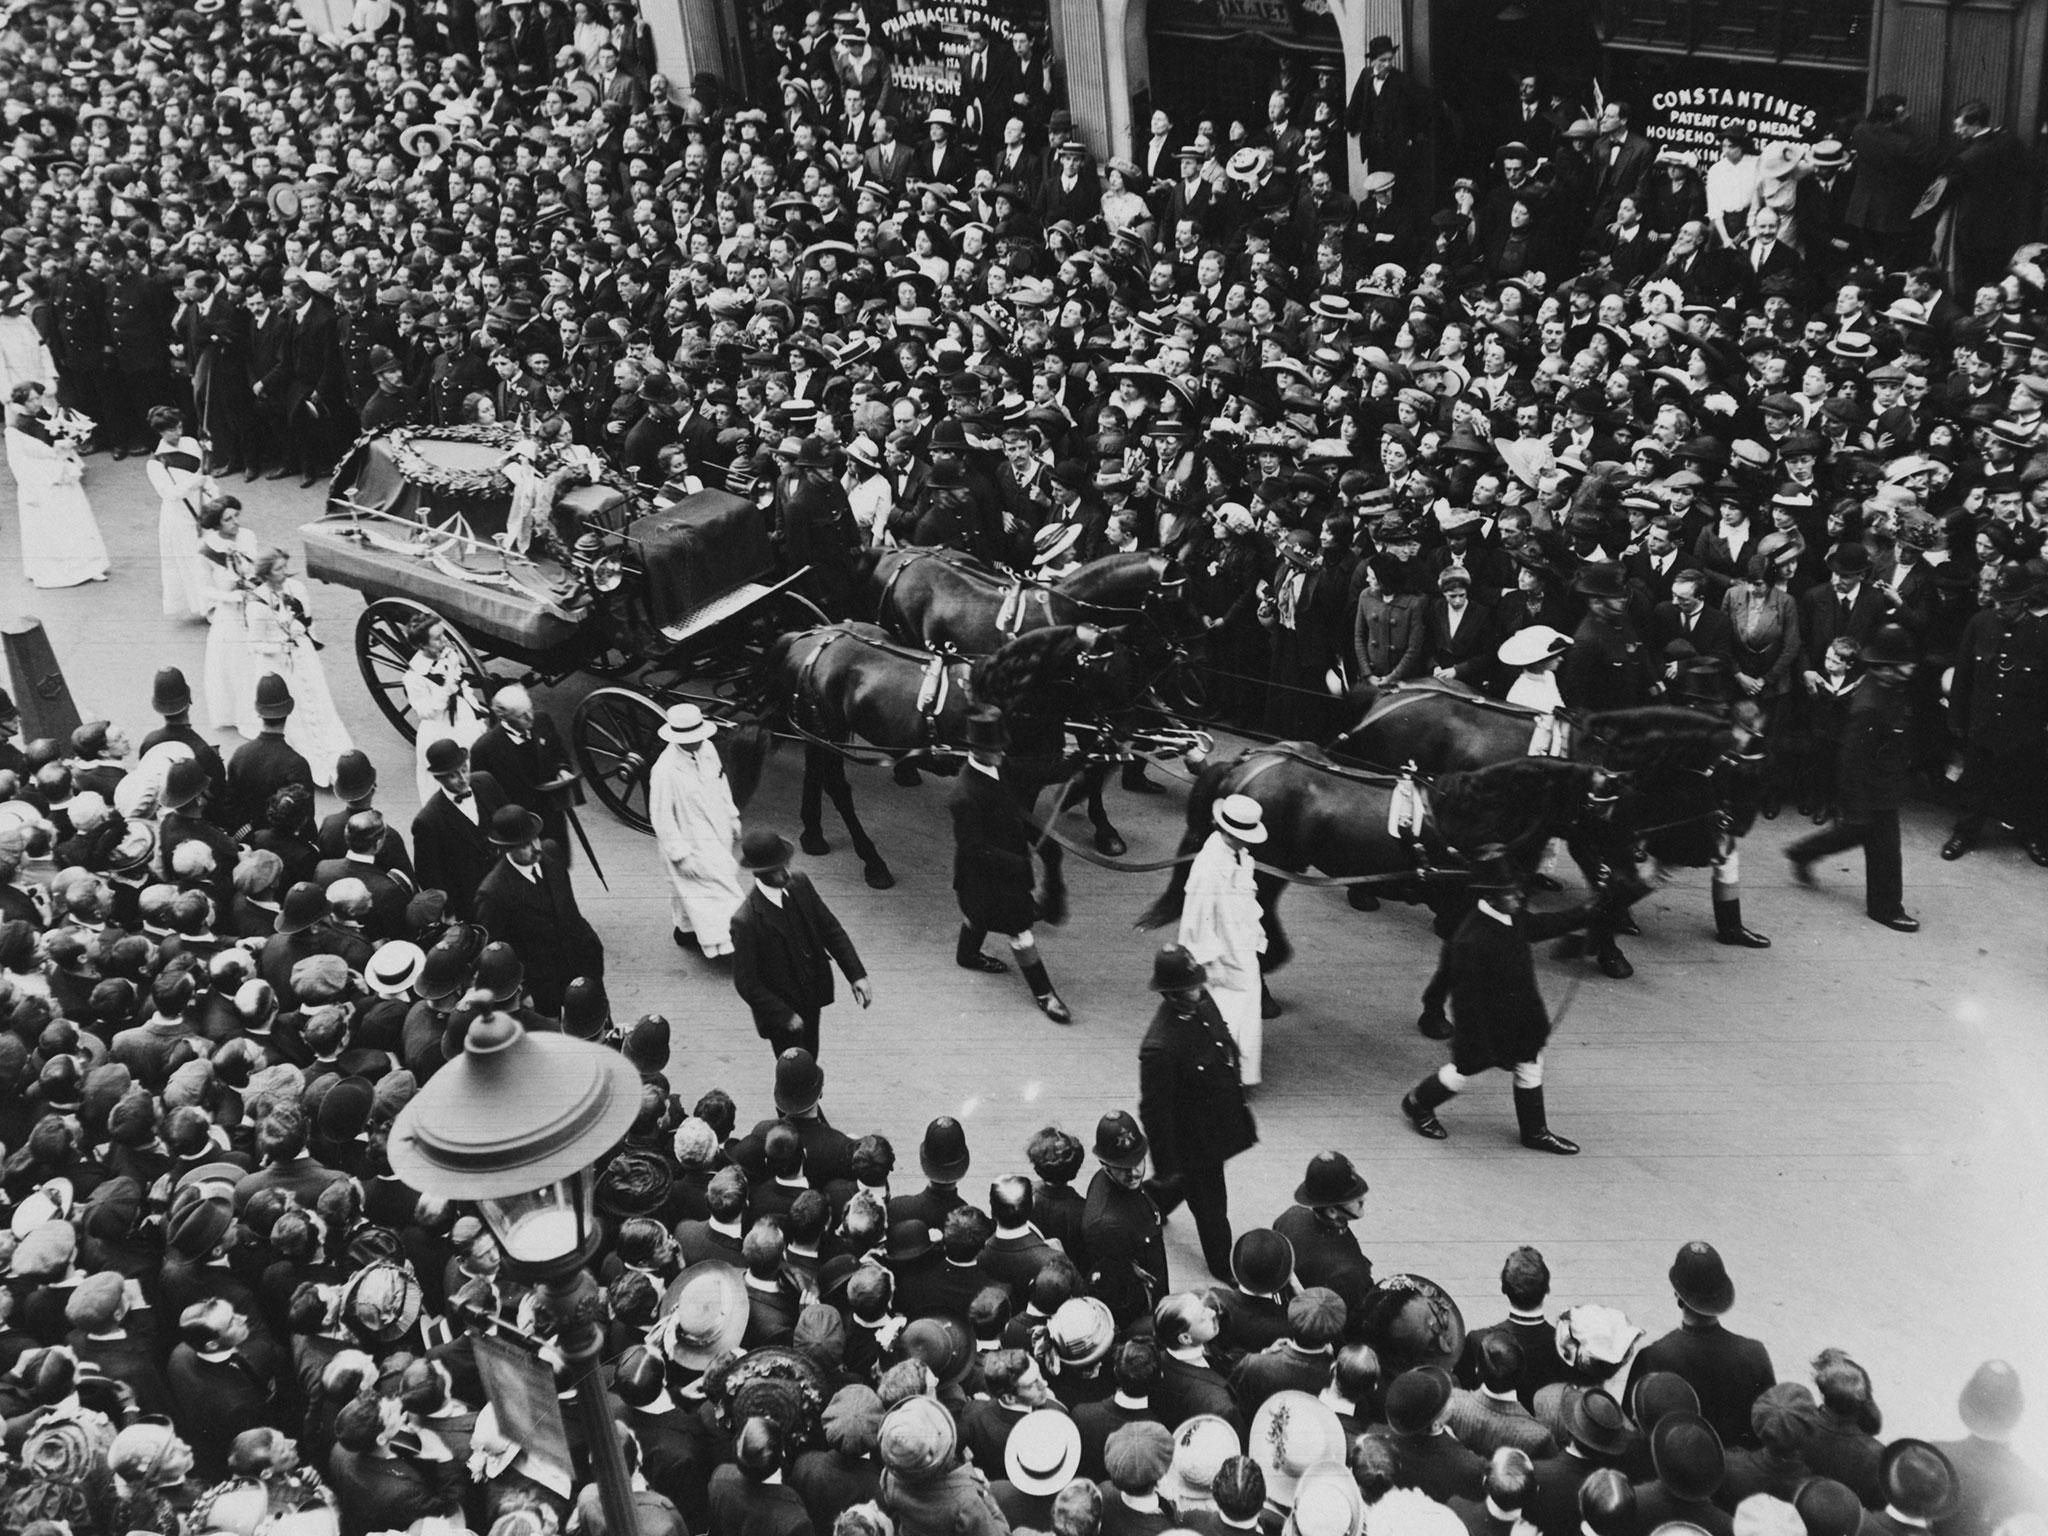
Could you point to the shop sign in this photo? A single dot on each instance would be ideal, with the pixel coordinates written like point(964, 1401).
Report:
point(928, 46)
point(1693, 117)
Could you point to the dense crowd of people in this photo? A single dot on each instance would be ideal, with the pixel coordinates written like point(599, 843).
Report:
point(1554, 435)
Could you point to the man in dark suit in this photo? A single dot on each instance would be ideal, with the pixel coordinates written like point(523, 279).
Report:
point(523, 751)
point(1727, 1370)
point(1770, 265)
point(451, 835)
point(799, 1086)
point(1701, 268)
point(1497, 1005)
point(1386, 112)
point(260, 768)
point(1191, 1101)
point(1652, 569)
point(184, 821)
point(1622, 162)
point(313, 356)
point(1847, 606)
point(355, 785)
point(390, 889)
point(1608, 667)
point(992, 873)
point(1599, 1438)
point(527, 901)
point(785, 941)
point(1689, 617)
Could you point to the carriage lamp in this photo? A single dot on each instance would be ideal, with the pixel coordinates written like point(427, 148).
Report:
point(515, 1126)
point(602, 569)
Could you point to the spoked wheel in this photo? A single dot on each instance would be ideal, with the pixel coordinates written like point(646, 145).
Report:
point(616, 736)
point(390, 633)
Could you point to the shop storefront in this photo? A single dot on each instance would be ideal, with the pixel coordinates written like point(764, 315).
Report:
point(1222, 58)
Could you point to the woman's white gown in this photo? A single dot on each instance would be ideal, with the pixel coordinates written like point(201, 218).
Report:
point(175, 474)
point(230, 664)
point(278, 644)
point(60, 539)
point(445, 709)
point(697, 827)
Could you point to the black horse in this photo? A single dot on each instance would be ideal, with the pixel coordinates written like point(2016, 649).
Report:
point(849, 684)
point(1692, 777)
point(1339, 821)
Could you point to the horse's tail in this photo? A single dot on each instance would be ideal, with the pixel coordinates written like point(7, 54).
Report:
point(1201, 802)
point(745, 749)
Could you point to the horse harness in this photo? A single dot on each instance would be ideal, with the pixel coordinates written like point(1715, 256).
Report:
point(934, 683)
point(1410, 819)
point(1550, 734)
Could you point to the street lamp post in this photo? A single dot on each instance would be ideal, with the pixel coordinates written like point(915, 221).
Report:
point(516, 1125)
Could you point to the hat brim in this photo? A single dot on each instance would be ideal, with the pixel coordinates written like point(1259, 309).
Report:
point(687, 738)
point(732, 1323)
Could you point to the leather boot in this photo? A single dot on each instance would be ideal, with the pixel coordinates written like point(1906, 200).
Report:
point(1420, 1106)
point(968, 956)
point(1042, 993)
point(1536, 1132)
point(1728, 925)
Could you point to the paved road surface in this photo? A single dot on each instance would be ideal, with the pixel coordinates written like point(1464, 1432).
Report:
point(1854, 1117)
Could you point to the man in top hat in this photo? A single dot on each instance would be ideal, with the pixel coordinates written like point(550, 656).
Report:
point(1222, 927)
point(1874, 773)
point(1727, 1370)
point(697, 830)
point(813, 528)
point(451, 834)
point(785, 941)
point(260, 768)
point(992, 874)
point(171, 697)
point(1992, 1483)
point(1386, 112)
point(522, 749)
point(1497, 1007)
point(527, 902)
point(1191, 1102)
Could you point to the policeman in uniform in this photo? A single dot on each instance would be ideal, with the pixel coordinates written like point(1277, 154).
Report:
point(1608, 667)
point(1496, 1006)
point(140, 306)
point(992, 877)
point(2000, 703)
point(1191, 1100)
point(83, 348)
point(1120, 1224)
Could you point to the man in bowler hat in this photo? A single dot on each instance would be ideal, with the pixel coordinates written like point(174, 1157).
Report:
point(785, 942)
point(992, 865)
point(1191, 1101)
point(527, 901)
point(260, 768)
point(1875, 771)
point(451, 839)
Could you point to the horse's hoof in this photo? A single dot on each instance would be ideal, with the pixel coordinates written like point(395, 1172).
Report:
point(906, 776)
point(878, 877)
point(1614, 965)
point(1362, 899)
point(1434, 1026)
point(813, 843)
point(1107, 842)
point(1052, 910)
point(1269, 1005)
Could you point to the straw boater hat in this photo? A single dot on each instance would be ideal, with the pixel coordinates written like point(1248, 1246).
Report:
point(1242, 817)
point(686, 725)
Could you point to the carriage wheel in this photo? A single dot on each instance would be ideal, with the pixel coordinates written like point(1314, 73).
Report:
point(615, 735)
point(392, 631)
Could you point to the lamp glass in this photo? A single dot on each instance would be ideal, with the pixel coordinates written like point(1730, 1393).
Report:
point(544, 1227)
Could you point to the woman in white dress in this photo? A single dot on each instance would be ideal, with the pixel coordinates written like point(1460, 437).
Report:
point(280, 622)
point(176, 470)
point(230, 552)
point(60, 539)
point(444, 694)
point(697, 829)
point(24, 359)
point(1222, 927)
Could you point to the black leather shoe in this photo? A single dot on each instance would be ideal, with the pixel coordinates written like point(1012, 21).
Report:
point(1269, 1005)
point(1424, 1120)
point(1109, 844)
point(813, 842)
point(312, 478)
point(682, 939)
point(254, 471)
point(1739, 937)
point(1051, 1006)
point(1899, 922)
point(877, 875)
point(1614, 965)
point(2037, 850)
point(122, 452)
point(1959, 843)
point(280, 473)
point(988, 965)
point(1547, 1140)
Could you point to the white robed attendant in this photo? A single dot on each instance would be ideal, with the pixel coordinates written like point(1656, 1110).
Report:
point(444, 695)
point(230, 552)
point(697, 828)
point(280, 623)
point(1220, 923)
point(176, 468)
point(60, 539)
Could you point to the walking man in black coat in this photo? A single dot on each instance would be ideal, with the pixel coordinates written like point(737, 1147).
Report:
point(1191, 1101)
point(451, 843)
point(992, 865)
point(527, 901)
point(785, 941)
point(1876, 769)
point(1496, 1006)
point(523, 751)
